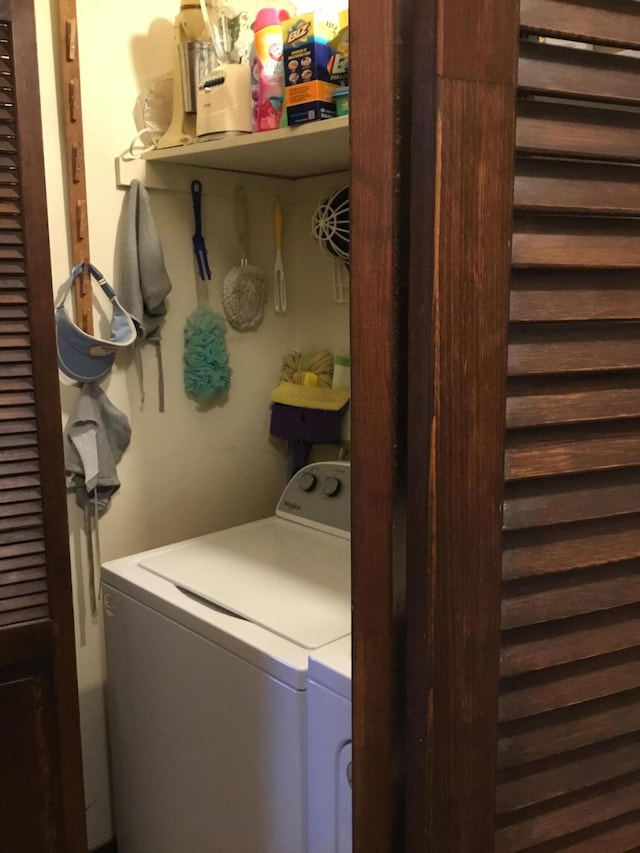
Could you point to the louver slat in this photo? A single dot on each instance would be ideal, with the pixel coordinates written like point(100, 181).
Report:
point(552, 295)
point(12, 511)
point(563, 547)
point(544, 401)
point(19, 427)
point(566, 72)
point(13, 342)
point(15, 313)
point(569, 736)
point(18, 591)
point(23, 482)
point(10, 469)
point(9, 283)
point(21, 549)
point(23, 575)
point(14, 440)
point(575, 242)
point(575, 498)
point(21, 602)
point(572, 684)
point(548, 349)
point(617, 23)
point(16, 413)
point(570, 594)
point(15, 326)
point(554, 734)
point(540, 647)
point(565, 820)
point(27, 614)
point(20, 521)
point(27, 535)
point(589, 188)
point(619, 836)
point(567, 450)
point(15, 494)
point(581, 770)
point(562, 130)
point(7, 298)
point(14, 399)
point(21, 563)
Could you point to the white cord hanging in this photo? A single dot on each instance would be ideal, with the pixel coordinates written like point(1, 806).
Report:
point(152, 115)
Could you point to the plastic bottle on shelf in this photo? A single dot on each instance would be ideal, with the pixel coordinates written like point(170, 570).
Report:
point(267, 73)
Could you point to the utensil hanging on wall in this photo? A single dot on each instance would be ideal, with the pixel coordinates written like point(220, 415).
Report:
point(279, 284)
point(243, 289)
point(207, 374)
point(330, 225)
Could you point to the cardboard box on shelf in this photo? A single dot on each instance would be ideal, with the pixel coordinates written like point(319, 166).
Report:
point(339, 62)
point(308, 58)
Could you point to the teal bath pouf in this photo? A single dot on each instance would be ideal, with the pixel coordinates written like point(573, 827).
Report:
point(207, 374)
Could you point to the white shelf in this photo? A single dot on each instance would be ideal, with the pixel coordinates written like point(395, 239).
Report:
point(317, 148)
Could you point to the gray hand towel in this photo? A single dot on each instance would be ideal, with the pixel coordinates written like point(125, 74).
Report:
point(143, 282)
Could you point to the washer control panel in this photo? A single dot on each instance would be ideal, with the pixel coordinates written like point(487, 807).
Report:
point(319, 495)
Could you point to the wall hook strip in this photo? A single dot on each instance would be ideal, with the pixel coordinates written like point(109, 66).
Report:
point(75, 173)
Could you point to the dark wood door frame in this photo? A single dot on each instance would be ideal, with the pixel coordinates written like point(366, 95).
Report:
point(463, 72)
point(431, 378)
point(376, 341)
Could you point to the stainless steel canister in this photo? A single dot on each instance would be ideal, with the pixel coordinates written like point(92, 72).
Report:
point(195, 64)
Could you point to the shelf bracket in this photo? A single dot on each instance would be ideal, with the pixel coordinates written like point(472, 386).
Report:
point(174, 177)
point(153, 176)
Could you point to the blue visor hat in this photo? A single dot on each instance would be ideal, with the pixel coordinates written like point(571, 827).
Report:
point(84, 357)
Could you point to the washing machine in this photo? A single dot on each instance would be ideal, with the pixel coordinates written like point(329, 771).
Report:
point(329, 748)
point(208, 646)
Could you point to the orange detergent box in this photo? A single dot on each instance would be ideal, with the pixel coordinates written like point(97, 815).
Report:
point(308, 59)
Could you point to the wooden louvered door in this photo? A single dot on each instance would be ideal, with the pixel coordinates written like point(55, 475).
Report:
point(569, 705)
point(523, 577)
point(41, 791)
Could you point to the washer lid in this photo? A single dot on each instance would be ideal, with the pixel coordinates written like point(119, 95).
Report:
point(292, 580)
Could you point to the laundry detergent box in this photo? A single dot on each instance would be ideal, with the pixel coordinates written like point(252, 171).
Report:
point(308, 57)
point(339, 62)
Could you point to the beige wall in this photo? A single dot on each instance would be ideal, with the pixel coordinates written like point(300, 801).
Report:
point(187, 471)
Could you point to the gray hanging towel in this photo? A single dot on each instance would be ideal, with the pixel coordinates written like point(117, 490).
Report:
point(143, 282)
point(96, 436)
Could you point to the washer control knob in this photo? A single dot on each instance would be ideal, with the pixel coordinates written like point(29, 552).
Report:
point(331, 486)
point(308, 481)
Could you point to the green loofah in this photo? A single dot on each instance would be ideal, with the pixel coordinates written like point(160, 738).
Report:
point(207, 374)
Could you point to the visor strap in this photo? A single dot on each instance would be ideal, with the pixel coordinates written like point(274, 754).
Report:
point(158, 346)
point(98, 562)
point(89, 538)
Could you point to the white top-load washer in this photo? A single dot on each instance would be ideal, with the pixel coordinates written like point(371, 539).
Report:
point(208, 644)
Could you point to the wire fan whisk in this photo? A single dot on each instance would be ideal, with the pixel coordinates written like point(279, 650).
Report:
point(330, 224)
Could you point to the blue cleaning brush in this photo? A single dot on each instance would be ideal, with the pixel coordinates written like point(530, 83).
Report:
point(207, 374)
